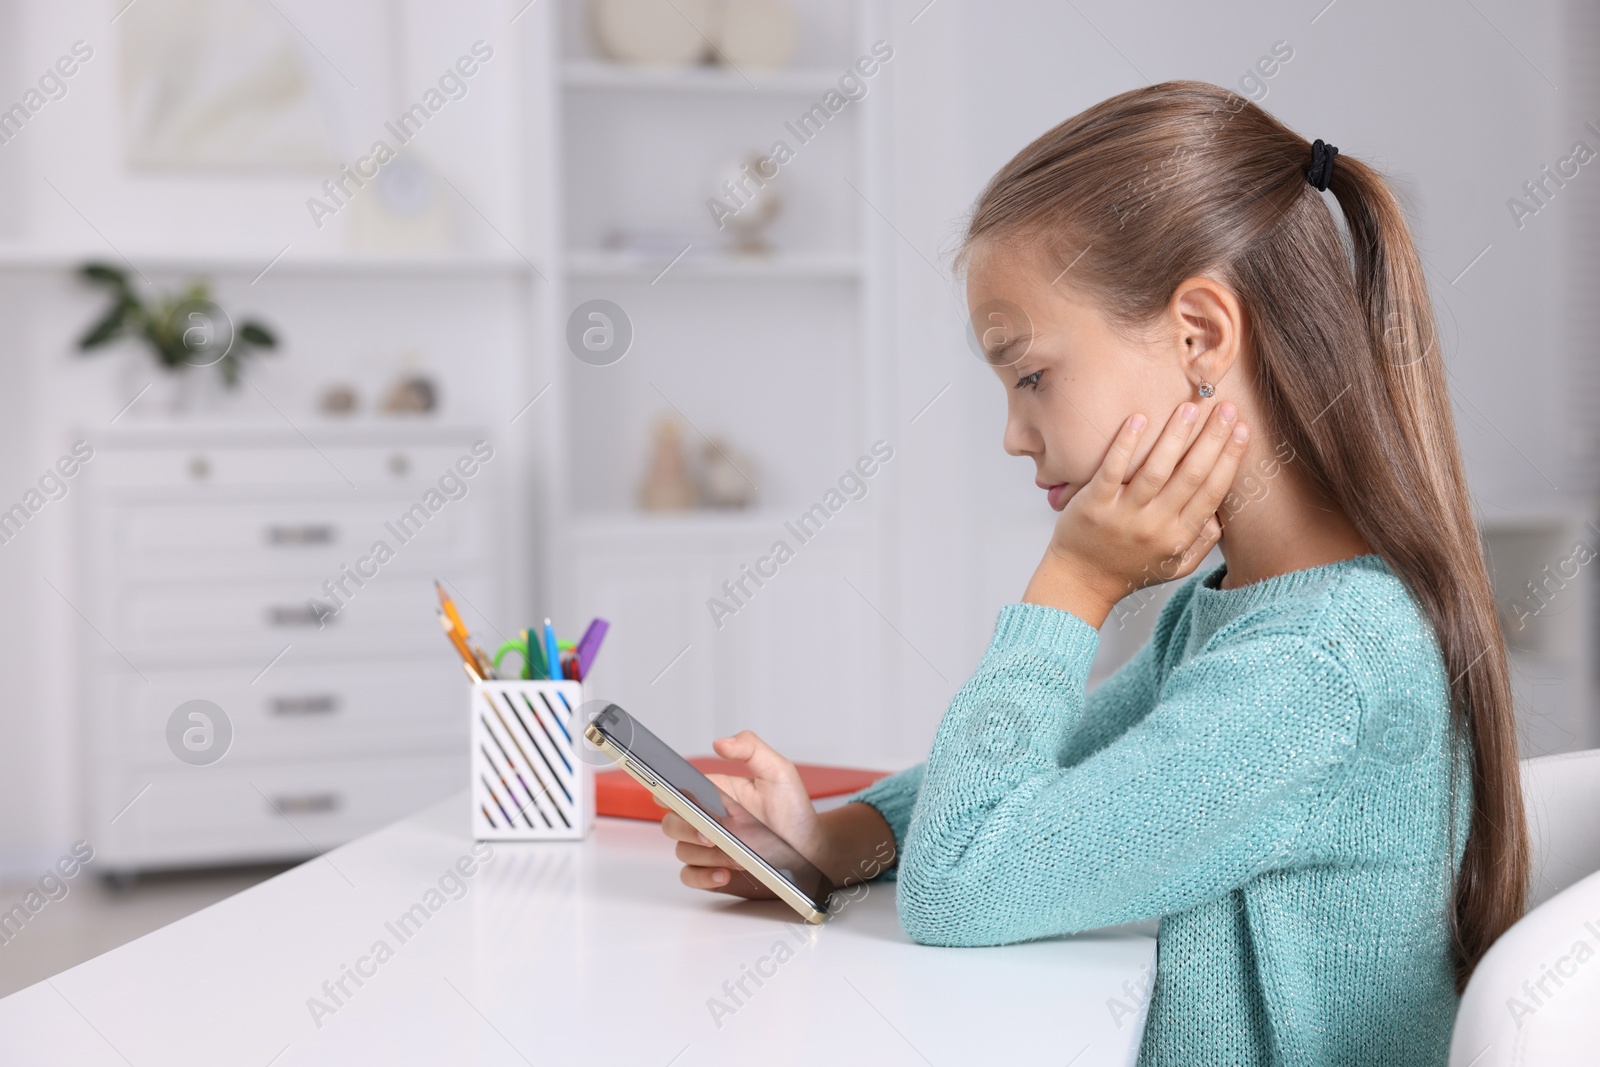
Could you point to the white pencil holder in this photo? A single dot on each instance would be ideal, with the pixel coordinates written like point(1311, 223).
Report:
point(529, 782)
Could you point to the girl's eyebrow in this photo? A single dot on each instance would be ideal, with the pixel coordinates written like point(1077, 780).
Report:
point(995, 354)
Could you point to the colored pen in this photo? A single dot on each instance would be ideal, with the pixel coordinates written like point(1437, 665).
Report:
point(589, 645)
point(538, 667)
point(552, 651)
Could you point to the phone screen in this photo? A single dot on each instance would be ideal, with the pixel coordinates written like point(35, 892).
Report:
point(628, 734)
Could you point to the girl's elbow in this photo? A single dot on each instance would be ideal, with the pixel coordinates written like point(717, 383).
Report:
point(945, 915)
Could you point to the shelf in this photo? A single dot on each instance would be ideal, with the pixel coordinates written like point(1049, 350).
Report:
point(597, 74)
point(31, 257)
point(1536, 518)
point(631, 267)
point(698, 524)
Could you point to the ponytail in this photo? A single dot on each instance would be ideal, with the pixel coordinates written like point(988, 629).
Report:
point(1440, 557)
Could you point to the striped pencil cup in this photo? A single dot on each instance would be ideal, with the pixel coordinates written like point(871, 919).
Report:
point(529, 782)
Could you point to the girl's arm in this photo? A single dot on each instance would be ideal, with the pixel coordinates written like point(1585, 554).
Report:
point(1114, 705)
point(1214, 785)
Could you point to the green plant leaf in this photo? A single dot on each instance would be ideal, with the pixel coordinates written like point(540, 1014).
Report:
point(257, 334)
point(102, 274)
point(108, 328)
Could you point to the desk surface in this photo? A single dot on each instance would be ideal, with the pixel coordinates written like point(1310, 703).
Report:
point(564, 953)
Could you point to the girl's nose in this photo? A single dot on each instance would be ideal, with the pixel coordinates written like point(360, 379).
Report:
point(1020, 439)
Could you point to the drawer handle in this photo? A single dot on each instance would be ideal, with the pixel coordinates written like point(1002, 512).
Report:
point(308, 534)
point(299, 615)
point(307, 803)
point(311, 704)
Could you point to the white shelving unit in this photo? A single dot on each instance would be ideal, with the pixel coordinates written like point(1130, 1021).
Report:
point(621, 266)
point(1549, 628)
point(785, 356)
point(582, 74)
point(34, 257)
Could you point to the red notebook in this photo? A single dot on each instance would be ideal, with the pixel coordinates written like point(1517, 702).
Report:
point(617, 794)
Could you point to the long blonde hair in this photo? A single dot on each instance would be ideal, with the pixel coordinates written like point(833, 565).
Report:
point(1162, 183)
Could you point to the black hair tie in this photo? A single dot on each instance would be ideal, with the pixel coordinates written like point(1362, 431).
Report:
point(1321, 171)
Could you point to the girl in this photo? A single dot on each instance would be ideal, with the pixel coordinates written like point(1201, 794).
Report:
point(1309, 773)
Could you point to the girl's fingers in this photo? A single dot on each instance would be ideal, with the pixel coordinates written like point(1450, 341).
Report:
point(1184, 560)
point(692, 855)
point(678, 828)
point(704, 877)
point(737, 786)
point(1107, 481)
point(1205, 501)
point(1191, 475)
point(760, 757)
point(1157, 466)
point(1210, 534)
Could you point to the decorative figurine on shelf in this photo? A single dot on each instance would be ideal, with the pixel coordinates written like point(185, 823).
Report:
point(728, 476)
point(755, 34)
point(338, 399)
point(661, 33)
point(743, 34)
point(667, 485)
point(408, 210)
point(746, 199)
point(182, 330)
point(412, 395)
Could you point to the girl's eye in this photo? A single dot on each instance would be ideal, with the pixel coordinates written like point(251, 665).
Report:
point(1031, 381)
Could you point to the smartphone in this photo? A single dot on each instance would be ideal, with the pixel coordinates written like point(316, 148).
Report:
point(726, 823)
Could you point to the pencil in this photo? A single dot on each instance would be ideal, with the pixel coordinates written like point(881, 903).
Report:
point(449, 607)
point(471, 661)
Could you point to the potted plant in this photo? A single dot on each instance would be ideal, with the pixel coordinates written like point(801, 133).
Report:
point(182, 330)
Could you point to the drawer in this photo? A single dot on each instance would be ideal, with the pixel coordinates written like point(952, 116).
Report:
point(298, 711)
point(391, 615)
point(300, 537)
point(215, 815)
point(293, 464)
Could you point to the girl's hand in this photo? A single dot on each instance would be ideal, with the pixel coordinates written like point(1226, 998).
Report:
point(776, 796)
point(1113, 538)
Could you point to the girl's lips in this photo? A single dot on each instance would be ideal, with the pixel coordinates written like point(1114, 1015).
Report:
point(1056, 494)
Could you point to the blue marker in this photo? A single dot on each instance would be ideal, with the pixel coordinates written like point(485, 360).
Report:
point(552, 653)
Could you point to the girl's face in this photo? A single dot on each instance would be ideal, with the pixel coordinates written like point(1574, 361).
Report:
point(1070, 380)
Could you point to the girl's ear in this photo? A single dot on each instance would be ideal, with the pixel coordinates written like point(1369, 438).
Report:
point(1210, 323)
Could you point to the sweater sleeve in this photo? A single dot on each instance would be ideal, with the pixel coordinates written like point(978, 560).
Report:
point(1113, 706)
point(1213, 785)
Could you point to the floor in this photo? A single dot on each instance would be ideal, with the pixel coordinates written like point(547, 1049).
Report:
point(93, 917)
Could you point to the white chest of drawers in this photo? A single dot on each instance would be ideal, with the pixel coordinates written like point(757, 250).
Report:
point(241, 567)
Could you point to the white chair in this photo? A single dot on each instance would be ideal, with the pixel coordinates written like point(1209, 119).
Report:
point(1533, 998)
point(1562, 796)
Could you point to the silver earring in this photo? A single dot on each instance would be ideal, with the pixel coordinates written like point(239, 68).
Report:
point(1206, 390)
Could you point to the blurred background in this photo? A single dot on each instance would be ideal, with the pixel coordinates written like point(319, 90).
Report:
point(493, 285)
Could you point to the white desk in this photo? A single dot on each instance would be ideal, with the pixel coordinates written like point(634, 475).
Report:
point(565, 953)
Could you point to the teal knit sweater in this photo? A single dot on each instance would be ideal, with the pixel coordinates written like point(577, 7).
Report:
point(1270, 776)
